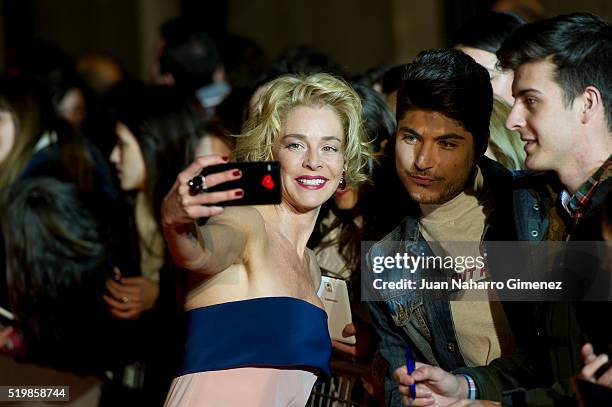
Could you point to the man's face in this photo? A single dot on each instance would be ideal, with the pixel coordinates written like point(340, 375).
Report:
point(434, 156)
point(539, 114)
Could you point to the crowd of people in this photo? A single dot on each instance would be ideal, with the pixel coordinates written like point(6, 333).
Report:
point(132, 287)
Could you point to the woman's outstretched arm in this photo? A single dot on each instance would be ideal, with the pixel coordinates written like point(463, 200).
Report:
point(222, 240)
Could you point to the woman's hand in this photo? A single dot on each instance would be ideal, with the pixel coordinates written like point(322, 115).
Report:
point(364, 344)
point(130, 296)
point(180, 207)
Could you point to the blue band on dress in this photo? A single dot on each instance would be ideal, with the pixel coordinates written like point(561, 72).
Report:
point(282, 332)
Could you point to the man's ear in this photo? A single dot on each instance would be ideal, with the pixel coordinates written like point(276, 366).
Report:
point(591, 103)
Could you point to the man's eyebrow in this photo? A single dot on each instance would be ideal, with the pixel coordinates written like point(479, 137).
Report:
point(303, 137)
point(450, 136)
point(409, 130)
point(528, 90)
point(446, 136)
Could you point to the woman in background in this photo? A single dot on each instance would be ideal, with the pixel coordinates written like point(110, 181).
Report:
point(480, 37)
point(56, 267)
point(156, 130)
point(35, 142)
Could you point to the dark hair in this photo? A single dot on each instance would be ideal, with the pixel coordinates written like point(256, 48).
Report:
point(243, 59)
point(452, 83)
point(233, 111)
point(60, 81)
point(372, 77)
point(54, 255)
point(29, 103)
point(164, 123)
point(578, 44)
point(488, 31)
point(392, 79)
point(304, 59)
point(189, 54)
point(378, 119)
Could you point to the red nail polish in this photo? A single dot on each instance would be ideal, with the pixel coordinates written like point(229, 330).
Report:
point(236, 173)
point(239, 193)
point(225, 158)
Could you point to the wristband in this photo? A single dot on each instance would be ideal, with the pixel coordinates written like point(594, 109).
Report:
point(472, 390)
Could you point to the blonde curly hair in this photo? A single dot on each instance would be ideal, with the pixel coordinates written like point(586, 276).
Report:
point(279, 96)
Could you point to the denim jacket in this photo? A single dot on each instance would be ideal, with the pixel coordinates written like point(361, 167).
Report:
point(426, 325)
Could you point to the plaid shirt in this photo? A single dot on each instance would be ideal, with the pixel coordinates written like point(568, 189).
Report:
point(579, 202)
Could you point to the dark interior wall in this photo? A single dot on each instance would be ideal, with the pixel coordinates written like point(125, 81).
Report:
point(103, 26)
point(602, 8)
point(123, 29)
point(356, 33)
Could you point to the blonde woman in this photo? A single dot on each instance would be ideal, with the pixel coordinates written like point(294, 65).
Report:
point(257, 333)
point(505, 146)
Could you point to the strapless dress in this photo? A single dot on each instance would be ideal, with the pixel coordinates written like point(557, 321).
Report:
point(259, 352)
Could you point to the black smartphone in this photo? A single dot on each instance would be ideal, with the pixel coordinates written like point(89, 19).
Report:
point(260, 182)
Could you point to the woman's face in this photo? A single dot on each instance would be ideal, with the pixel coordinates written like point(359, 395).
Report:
point(128, 160)
point(72, 107)
point(347, 198)
point(7, 134)
point(311, 154)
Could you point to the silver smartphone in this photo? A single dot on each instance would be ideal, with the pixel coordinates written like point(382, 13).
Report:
point(334, 295)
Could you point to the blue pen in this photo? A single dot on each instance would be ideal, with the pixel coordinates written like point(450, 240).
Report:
point(410, 367)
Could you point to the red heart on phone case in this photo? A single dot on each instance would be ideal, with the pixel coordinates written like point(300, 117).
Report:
point(267, 182)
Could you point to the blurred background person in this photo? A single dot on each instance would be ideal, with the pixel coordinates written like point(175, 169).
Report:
point(156, 130)
point(190, 60)
point(216, 139)
point(44, 144)
point(391, 82)
point(39, 143)
point(57, 263)
point(480, 37)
